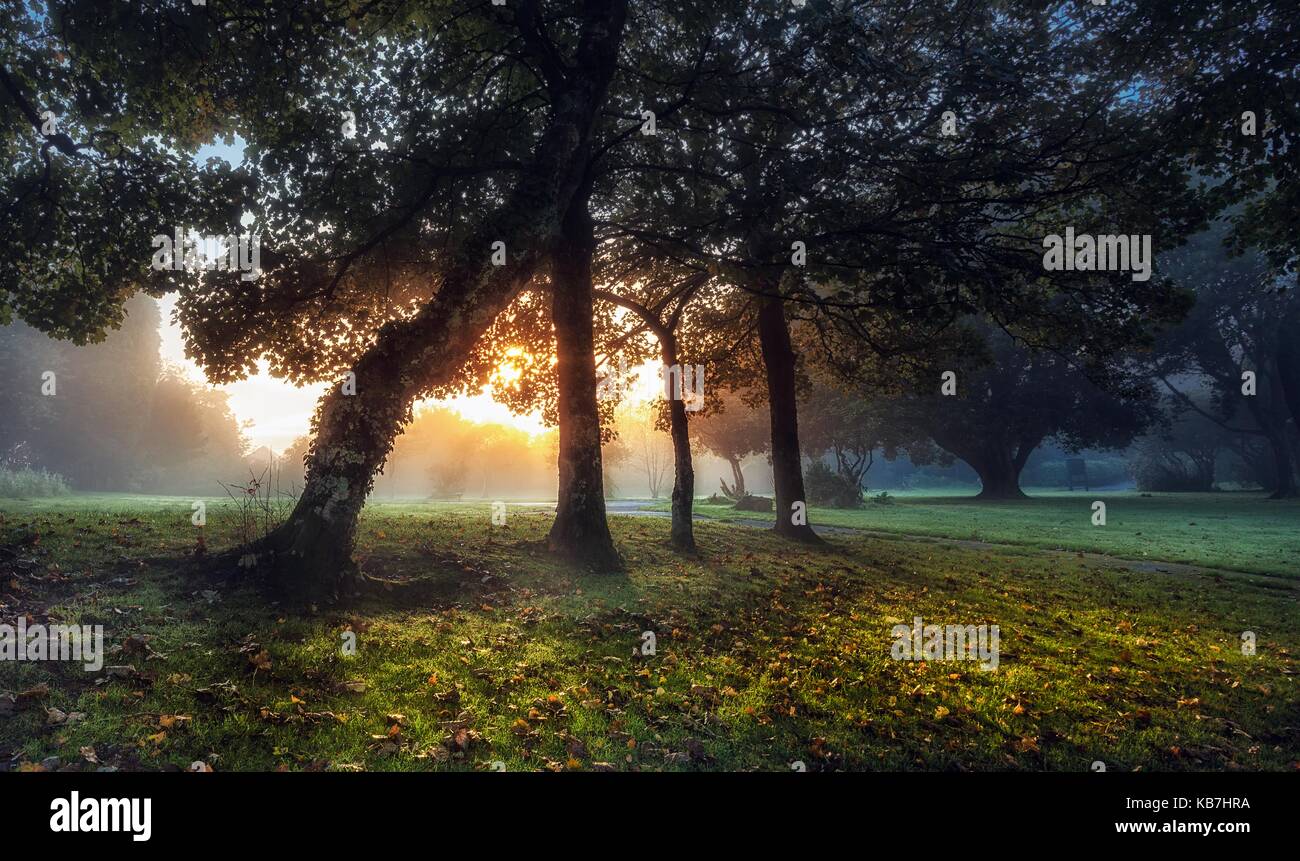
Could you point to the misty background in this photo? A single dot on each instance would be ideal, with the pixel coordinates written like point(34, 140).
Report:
point(124, 419)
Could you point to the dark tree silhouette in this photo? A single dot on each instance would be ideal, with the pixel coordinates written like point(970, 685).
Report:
point(1020, 397)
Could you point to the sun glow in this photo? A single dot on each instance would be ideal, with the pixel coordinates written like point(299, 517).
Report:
point(274, 413)
point(483, 408)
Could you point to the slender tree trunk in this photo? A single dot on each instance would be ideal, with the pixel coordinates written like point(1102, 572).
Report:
point(683, 526)
point(310, 556)
point(787, 466)
point(580, 531)
point(683, 498)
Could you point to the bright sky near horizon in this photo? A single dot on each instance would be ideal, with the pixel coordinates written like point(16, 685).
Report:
point(276, 412)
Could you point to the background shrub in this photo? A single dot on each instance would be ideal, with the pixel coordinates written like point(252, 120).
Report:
point(25, 482)
point(829, 489)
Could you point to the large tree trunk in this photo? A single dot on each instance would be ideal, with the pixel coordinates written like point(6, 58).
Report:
point(683, 526)
point(310, 556)
point(1270, 410)
point(998, 463)
point(1288, 374)
point(999, 476)
point(1284, 486)
point(787, 466)
point(1288, 367)
point(580, 531)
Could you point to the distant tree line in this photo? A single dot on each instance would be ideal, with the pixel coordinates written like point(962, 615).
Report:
point(110, 417)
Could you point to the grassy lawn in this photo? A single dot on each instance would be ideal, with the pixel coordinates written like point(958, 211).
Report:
point(487, 654)
point(1236, 531)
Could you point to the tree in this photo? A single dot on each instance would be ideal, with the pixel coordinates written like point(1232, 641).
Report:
point(1182, 458)
point(90, 425)
point(665, 77)
point(885, 171)
point(26, 355)
point(614, 454)
point(1006, 407)
point(1227, 92)
point(650, 453)
point(733, 430)
point(388, 251)
point(191, 441)
point(114, 417)
point(853, 426)
point(661, 315)
point(1243, 325)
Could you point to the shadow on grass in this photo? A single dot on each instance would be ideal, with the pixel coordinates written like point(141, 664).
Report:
point(486, 649)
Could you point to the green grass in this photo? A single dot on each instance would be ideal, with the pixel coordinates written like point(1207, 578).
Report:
point(1234, 531)
point(487, 651)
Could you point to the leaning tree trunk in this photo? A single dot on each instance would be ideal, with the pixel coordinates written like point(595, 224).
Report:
point(310, 556)
point(311, 553)
point(787, 466)
point(580, 531)
point(737, 489)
